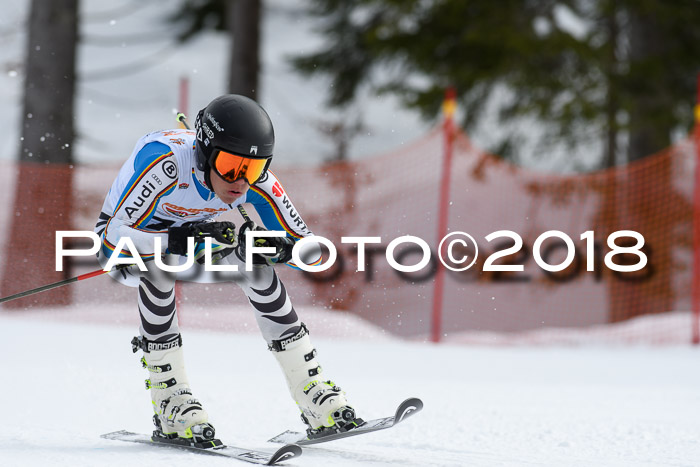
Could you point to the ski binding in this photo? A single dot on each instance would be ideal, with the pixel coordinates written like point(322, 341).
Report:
point(212, 447)
point(404, 410)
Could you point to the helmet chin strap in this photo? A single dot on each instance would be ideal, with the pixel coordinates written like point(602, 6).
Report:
point(207, 177)
point(204, 166)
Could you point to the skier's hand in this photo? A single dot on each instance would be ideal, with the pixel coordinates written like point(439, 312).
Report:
point(223, 233)
point(283, 246)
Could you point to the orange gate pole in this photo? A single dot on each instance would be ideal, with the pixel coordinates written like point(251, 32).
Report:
point(696, 225)
point(448, 110)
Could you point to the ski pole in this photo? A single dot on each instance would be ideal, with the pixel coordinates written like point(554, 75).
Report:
point(182, 118)
point(81, 277)
point(243, 212)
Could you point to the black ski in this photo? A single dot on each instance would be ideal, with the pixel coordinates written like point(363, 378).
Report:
point(404, 410)
point(256, 457)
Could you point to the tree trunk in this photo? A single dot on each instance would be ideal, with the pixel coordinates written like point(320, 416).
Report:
point(612, 106)
point(49, 85)
point(648, 135)
point(244, 18)
point(43, 191)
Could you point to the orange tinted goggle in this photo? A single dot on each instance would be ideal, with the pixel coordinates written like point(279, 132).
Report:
point(231, 167)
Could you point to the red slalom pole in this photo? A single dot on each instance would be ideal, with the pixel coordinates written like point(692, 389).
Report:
point(448, 110)
point(43, 288)
point(696, 226)
point(184, 94)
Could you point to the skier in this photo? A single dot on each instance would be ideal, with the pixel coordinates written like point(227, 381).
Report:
point(173, 186)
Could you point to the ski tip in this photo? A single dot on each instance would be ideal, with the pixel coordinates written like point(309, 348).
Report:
point(115, 434)
point(286, 452)
point(407, 408)
point(288, 437)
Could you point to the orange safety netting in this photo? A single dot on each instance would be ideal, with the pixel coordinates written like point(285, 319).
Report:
point(397, 194)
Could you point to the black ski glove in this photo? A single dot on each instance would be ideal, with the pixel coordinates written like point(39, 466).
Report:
point(221, 232)
point(282, 245)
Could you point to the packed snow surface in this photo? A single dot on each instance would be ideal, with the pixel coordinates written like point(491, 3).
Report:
point(66, 381)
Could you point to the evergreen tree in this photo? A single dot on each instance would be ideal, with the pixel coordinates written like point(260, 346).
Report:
point(630, 68)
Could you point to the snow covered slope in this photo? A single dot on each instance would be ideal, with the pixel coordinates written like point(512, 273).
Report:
point(64, 383)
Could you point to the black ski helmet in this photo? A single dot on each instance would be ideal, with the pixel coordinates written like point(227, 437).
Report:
point(234, 124)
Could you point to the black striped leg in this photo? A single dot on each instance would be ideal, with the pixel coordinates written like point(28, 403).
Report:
point(157, 307)
point(273, 308)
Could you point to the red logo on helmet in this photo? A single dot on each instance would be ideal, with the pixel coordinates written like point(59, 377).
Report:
point(277, 189)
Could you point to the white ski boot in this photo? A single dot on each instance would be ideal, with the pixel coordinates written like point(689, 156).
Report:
point(178, 415)
point(323, 406)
